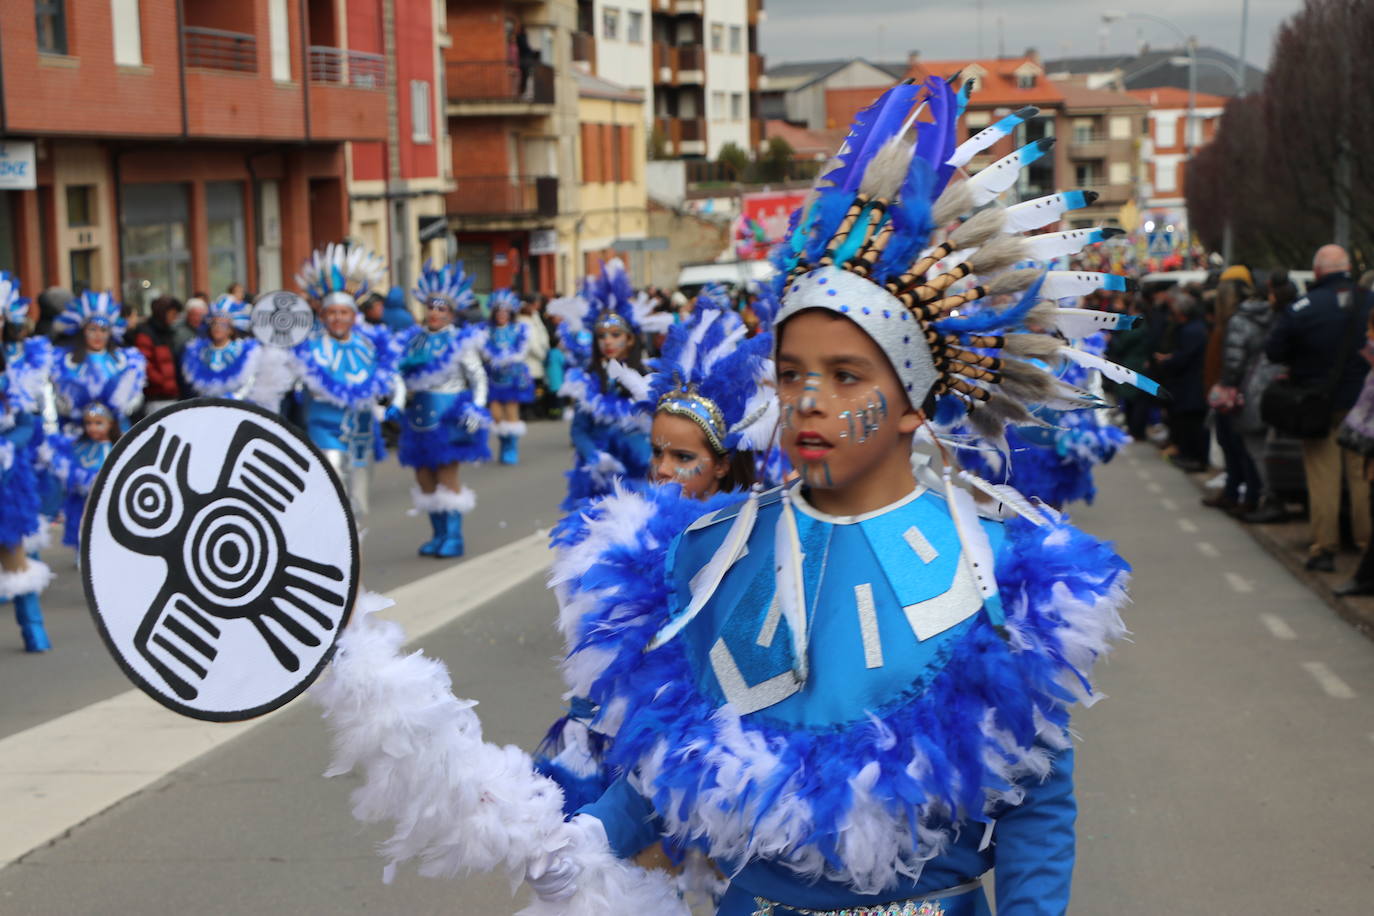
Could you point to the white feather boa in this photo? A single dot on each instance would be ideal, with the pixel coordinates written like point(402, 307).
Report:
point(460, 804)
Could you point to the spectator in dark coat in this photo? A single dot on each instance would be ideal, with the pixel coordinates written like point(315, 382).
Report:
point(156, 340)
point(1242, 345)
point(1180, 372)
point(1132, 348)
point(1307, 338)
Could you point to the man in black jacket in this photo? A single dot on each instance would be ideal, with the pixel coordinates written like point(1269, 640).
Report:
point(1181, 372)
point(1308, 338)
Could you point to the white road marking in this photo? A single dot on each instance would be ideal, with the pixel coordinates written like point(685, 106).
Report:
point(1208, 549)
point(1154, 488)
point(45, 771)
point(1169, 505)
point(1239, 584)
point(1278, 627)
point(1187, 525)
point(1328, 681)
point(1144, 474)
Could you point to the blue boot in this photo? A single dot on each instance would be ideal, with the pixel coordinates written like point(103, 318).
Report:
point(30, 617)
point(510, 449)
point(431, 547)
point(453, 536)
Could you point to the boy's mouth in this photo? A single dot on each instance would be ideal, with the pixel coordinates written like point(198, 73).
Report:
point(812, 446)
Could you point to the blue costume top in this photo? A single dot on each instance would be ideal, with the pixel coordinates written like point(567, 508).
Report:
point(918, 727)
point(344, 381)
point(76, 462)
point(21, 433)
point(446, 393)
point(507, 373)
point(114, 377)
point(220, 372)
point(610, 434)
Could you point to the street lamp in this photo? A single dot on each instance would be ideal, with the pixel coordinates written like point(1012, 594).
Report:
point(1110, 16)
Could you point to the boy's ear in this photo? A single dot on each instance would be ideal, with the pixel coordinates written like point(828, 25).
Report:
point(911, 420)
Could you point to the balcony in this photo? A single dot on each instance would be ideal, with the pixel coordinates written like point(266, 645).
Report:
point(584, 49)
point(503, 198)
point(216, 49)
point(691, 65)
point(682, 136)
point(756, 78)
point(755, 11)
point(493, 88)
point(338, 67)
point(1083, 146)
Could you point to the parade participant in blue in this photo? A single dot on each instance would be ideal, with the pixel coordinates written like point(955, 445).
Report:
point(511, 385)
point(25, 364)
point(29, 359)
point(714, 404)
point(446, 419)
point(610, 430)
point(96, 368)
point(223, 363)
point(348, 369)
point(851, 693)
point(78, 459)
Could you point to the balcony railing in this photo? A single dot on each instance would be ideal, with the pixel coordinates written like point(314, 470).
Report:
point(497, 81)
point(339, 67)
point(216, 49)
point(504, 195)
point(691, 57)
point(584, 48)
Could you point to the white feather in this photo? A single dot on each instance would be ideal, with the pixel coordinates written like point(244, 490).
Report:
point(977, 549)
point(635, 384)
point(1008, 496)
point(1077, 324)
point(1111, 370)
point(1033, 214)
point(790, 587)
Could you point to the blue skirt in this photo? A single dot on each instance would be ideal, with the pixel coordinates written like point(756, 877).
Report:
point(20, 498)
point(510, 384)
point(430, 441)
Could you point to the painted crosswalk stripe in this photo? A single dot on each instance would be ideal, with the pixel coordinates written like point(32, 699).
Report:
point(1187, 525)
point(1208, 549)
point(1239, 583)
point(1332, 685)
point(1144, 474)
point(1154, 488)
point(1278, 627)
point(1169, 505)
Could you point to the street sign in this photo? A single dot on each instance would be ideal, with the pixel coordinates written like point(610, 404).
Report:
point(432, 227)
point(18, 166)
point(543, 241)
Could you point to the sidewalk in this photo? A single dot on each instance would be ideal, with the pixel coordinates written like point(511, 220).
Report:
point(1287, 542)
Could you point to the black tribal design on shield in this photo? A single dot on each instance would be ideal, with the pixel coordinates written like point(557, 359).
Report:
point(227, 556)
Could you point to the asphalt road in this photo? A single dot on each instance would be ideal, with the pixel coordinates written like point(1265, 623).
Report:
point(1226, 772)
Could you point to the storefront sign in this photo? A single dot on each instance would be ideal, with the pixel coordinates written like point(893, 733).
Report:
point(18, 166)
point(543, 241)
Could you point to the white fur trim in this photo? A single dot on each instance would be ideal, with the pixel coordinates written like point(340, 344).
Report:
point(514, 428)
point(32, 578)
point(459, 803)
point(444, 500)
point(40, 539)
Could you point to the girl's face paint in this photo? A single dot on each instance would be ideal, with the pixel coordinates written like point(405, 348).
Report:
point(438, 315)
point(682, 455)
point(613, 342)
point(835, 387)
point(97, 337)
point(98, 427)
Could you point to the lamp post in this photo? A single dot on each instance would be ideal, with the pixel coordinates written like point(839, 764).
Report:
point(1109, 16)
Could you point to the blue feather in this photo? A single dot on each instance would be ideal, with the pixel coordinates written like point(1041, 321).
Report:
point(986, 321)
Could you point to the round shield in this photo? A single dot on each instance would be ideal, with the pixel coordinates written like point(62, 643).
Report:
point(220, 558)
point(282, 319)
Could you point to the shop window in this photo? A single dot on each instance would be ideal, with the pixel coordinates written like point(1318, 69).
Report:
point(81, 210)
point(157, 260)
point(82, 262)
point(224, 234)
point(476, 260)
point(9, 257)
point(50, 16)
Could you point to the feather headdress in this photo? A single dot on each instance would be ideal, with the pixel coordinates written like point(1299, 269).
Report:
point(891, 242)
point(233, 310)
point(450, 284)
point(341, 274)
point(608, 299)
point(711, 373)
point(504, 298)
point(14, 308)
point(90, 307)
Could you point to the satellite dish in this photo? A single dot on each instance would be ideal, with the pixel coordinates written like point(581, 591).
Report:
point(282, 319)
point(220, 559)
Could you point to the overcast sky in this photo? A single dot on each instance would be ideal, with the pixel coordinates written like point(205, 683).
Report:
point(886, 30)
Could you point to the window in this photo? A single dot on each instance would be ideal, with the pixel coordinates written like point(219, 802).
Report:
point(1119, 128)
point(51, 18)
point(224, 218)
point(476, 260)
point(736, 39)
point(82, 263)
point(975, 121)
point(634, 26)
point(8, 255)
point(718, 106)
point(157, 261)
point(736, 106)
point(1119, 173)
point(717, 37)
point(591, 153)
point(81, 206)
point(1166, 130)
point(1083, 131)
point(128, 35)
point(1025, 81)
point(279, 38)
point(420, 112)
point(1085, 174)
point(610, 23)
point(1166, 175)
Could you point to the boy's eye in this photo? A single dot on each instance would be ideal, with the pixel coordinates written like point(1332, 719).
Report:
point(845, 378)
point(788, 375)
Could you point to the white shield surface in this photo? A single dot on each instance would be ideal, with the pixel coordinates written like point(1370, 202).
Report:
point(220, 559)
point(282, 319)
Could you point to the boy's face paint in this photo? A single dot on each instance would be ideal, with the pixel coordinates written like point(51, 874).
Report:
point(682, 455)
point(836, 389)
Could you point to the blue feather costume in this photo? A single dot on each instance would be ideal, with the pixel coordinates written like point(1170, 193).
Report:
point(508, 377)
point(435, 431)
point(225, 371)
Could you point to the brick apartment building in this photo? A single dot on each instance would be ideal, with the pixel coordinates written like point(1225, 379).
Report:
point(182, 146)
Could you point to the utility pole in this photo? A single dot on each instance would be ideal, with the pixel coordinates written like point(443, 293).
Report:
point(1341, 186)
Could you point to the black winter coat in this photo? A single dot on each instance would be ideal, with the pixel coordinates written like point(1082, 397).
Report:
point(1307, 336)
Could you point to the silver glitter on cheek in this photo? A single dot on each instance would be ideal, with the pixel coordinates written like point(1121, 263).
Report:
point(689, 472)
point(787, 414)
point(848, 417)
point(810, 390)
